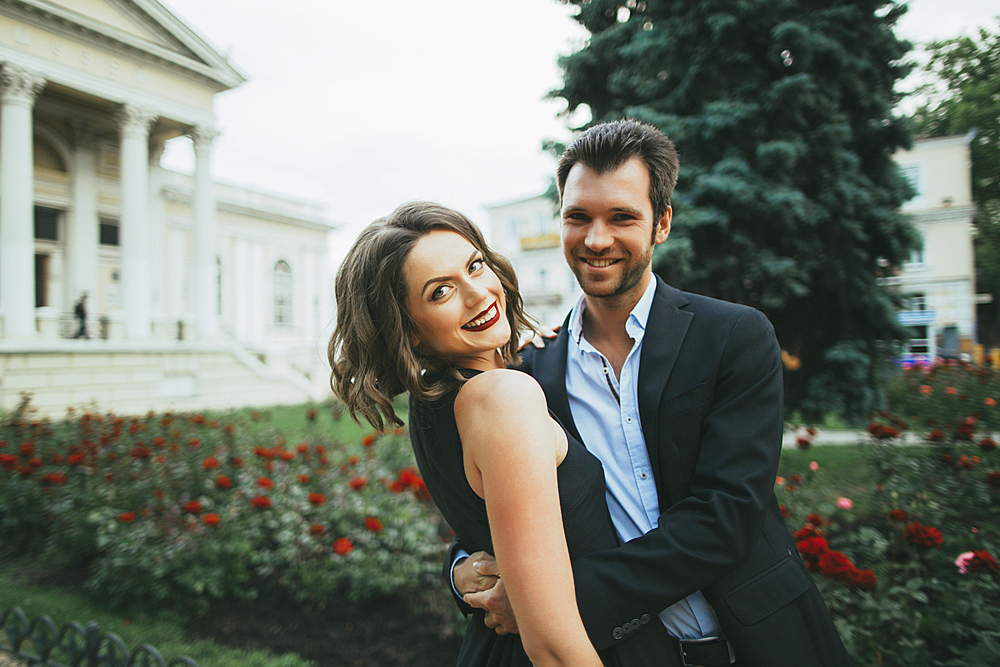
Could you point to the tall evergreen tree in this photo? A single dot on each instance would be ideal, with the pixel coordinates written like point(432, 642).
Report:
point(782, 111)
point(970, 100)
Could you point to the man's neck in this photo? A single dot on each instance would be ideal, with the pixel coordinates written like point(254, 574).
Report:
point(604, 322)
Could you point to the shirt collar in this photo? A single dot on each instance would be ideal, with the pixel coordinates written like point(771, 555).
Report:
point(637, 319)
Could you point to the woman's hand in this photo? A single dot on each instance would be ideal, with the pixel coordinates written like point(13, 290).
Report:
point(467, 578)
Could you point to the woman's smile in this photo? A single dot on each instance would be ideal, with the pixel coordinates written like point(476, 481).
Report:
point(484, 320)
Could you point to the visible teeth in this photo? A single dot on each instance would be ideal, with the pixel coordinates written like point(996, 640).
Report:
point(490, 314)
point(600, 263)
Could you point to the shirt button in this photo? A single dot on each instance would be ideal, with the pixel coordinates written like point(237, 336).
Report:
point(642, 475)
point(628, 419)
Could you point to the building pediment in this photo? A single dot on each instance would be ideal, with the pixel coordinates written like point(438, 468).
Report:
point(141, 30)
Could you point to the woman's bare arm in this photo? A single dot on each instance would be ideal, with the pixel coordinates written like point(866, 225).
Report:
point(511, 448)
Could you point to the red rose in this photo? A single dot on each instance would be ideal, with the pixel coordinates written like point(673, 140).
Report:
point(373, 524)
point(210, 463)
point(936, 435)
point(211, 519)
point(302, 448)
point(784, 511)
point(223, 482)
point(317, 499)
point(898, 515)
point(368, 440)
point(803, 442)
point(140, 452)
point(863, 579)
point(353, 460)
point(126, 517)
point(237, 461)
point(795, 478)
point(923, 536)
point(286, 455)
point(987, 444)
point(813, 546)
point(807, 531)
point(815, 519)
point(304, 479)
point(76, 459)
point(835, 564)
point(192, 507)
point(317, 530)
point(342, 546)
point(194, 443)
point(983, 562)
point(261, 502)
point(265, 482)
point(358, 483)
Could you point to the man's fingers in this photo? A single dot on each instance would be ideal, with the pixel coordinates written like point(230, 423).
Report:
point(486, 567)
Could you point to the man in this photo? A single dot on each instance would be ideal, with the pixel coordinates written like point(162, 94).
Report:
point(81, 314)
point(680, 396)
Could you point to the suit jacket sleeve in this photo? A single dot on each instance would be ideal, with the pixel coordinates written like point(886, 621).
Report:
point(732, 441)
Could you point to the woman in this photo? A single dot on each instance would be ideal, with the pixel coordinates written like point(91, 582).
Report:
point(425, 307)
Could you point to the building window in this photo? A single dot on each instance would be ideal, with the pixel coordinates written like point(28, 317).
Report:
point(914, 177)
point(109, 231)
point(282, 294)
point(919, 341)
point(47, 223)
point(916, 301)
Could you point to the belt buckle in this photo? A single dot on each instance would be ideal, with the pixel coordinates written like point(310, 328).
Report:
point(706, 642)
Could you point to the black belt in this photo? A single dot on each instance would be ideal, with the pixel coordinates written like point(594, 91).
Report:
point(707, 652)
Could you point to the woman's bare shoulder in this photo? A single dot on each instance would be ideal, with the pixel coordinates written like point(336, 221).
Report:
point(499, 391)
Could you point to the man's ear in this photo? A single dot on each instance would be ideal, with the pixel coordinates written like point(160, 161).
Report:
point(663, 226)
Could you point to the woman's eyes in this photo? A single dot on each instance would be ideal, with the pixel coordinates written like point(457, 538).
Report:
point(439, 293)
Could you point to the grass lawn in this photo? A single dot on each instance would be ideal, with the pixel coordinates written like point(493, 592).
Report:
point(163, 631)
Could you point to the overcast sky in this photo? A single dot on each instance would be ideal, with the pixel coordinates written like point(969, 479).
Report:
point(361, 106)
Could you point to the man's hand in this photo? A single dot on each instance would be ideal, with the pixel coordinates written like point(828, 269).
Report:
point(539, 338)
point(499, 615)
point(468, 579)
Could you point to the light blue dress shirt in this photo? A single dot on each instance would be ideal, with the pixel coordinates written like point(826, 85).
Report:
point(614, 435)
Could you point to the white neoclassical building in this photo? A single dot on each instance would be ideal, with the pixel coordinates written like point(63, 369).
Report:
point(199, 294)
point(939, 281)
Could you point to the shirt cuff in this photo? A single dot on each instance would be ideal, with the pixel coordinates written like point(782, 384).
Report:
point(459, 555)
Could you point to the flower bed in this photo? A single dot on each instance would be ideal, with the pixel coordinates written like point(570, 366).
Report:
point(184, 510)
point(913, 579)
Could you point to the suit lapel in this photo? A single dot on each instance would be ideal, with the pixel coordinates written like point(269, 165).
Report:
point(661, 343)
point(549, 370)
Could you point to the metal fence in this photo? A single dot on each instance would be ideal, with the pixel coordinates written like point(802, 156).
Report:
point(39, 642)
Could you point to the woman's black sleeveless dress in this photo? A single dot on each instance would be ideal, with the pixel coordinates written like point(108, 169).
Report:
point(438, 450)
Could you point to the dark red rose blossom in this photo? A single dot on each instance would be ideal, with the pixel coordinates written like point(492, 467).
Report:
point(898, 515)
point(265, 482)
point(813, 546)
point(358, 483)
point(192, 507)
point(342, 546)
point(815, 519)
point(784, 511)
point(223, 482)
point(987, 444)
point(373, 524)
point(368, 440)
point(316, 499)
point(923, 536)
point(126, 517)
point(835, 564)
point(865, 580)
point(261, 502)
point(807, 531)
point(211, 519)
point(317, 530)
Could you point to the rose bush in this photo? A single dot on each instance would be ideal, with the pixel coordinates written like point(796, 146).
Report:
point(183, 510)
point(910, 576)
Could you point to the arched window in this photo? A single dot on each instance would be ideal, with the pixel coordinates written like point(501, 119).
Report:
point(282, 294)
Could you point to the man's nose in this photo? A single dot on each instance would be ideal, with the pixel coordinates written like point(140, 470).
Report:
point(599, 236)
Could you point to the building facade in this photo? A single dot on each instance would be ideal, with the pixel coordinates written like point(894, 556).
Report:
point(182, 274)
point(938, 283)
point(526, 232)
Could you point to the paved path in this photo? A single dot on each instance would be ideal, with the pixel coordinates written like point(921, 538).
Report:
point(824, 437)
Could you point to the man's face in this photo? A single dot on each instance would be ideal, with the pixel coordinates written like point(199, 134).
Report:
point(608, 231)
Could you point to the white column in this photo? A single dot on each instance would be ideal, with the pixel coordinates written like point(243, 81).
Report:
point(136, 292)
point(203, 278)
point(18, 89)
point(156, 224)
point(82, 230)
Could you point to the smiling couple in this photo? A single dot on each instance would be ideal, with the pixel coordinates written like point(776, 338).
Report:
point(623, 476)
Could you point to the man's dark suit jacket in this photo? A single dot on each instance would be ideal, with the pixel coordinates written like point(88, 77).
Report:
point(710, 402)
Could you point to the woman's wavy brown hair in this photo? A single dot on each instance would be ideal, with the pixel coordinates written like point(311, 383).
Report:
point(370, 351)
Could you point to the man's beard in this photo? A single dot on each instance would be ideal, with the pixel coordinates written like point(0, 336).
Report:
point(630, 278)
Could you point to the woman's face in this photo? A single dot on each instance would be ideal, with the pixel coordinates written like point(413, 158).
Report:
point(456, 301)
